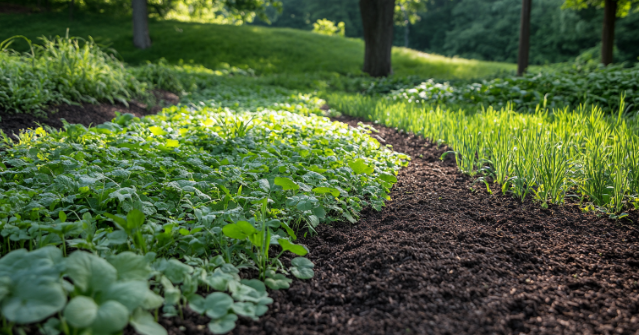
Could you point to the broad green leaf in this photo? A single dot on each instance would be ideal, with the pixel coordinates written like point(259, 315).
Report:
point(244, 309)
point(359, 166)
point(176, 271)
point(33, 300)
point(144, 323)
point(278, 282)
point(324, 190)
point(130, 294)
point(217, 304)
point(197, 304)
point(81, 311)
point(302, 268)
point(157, 131)
point(112, 317)
point(388, 178)
point(294, 248)
point(239, 230)
point(223, 325)
point(135, 219)
point(62, 216)
point(151, 301)
point(172, 143)
point(286, 184)
point(130, 266)
point(90, 273)
point(257, 285)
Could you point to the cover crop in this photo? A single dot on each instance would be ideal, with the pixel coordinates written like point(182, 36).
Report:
point(189, 197)
point(584, 154)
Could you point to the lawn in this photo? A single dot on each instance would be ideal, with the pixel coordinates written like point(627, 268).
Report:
point(265, 50)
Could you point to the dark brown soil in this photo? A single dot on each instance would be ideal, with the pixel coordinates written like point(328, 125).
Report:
point(442, 259)
point(85, 114)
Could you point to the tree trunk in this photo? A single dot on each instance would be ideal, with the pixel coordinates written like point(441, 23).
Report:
point(608, 33)
point(377, 21)
point(141, 37)
point(406, 27)
point(71, 4)
point(524, 37)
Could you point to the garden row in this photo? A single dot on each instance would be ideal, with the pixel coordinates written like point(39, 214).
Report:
point(137, 217)
point(583, 155)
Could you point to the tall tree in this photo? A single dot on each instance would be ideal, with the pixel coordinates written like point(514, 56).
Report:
point(377, 21)
point(141, 38)
point(524, 37)
point(612, 10)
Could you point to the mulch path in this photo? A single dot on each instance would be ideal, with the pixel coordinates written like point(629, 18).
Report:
point(85, 114)
point(442, 259)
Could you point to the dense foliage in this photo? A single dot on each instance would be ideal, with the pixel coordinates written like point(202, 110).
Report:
point(581, 154)
point(566, 87)
point(481, 29)
point(211, 187)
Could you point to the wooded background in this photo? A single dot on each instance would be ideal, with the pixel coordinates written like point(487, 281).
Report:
point(482, 29)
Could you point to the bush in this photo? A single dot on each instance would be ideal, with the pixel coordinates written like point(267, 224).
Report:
point(560, 87)
point(327, 27)
point(62, 70)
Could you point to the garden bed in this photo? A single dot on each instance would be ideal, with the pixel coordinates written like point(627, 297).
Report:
point(441, 258)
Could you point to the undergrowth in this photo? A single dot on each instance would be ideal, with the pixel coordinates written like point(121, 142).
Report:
point(566, 86)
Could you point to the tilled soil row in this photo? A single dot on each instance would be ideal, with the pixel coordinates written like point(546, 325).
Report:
point(441, 258)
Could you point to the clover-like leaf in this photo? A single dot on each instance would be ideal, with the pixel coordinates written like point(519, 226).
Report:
point(81, 311)
point(223, 325)
point(244, 309)
point(217, 304)
point(294, 248)
point(278, 282)
point(302, 268)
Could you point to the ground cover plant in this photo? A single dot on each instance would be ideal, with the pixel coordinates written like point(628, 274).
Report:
point(136, 214)
point(585, 154)
point(569, 85)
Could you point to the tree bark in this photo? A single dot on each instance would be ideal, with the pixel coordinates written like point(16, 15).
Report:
point(608, 33)
point(524, 37)
point(377, 21)
point(141, 37)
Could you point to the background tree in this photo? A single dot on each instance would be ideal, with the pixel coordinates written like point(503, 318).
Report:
point(141, 38)
point(524, 37)
point(244, 10)
point(377, 21)
point(612, 10)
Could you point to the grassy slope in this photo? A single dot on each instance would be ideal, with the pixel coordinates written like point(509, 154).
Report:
point(267, 50)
